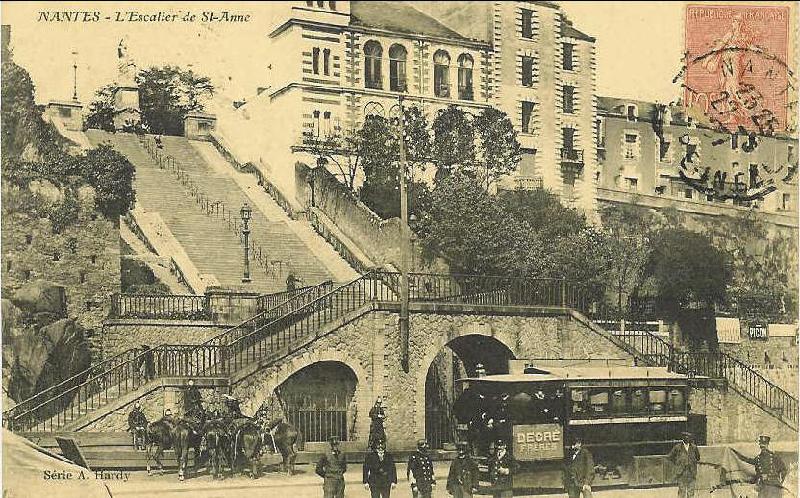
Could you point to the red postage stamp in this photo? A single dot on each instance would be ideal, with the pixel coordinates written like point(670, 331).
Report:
point(735, 69)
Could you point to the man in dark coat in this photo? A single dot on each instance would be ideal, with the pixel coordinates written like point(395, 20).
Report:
point(192, 399)
point(684, 457)
point(420, 471)
point(501, 471)
point(579, 471)
point(770, 470)
point(377, 433)
point(331, 468)
point(462, 480)
point(380, 473)
point(137, 425)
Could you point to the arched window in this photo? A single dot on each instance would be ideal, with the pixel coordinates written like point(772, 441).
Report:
point(315, 60)
point(465, 64)
point(441, 76)
point(332, 5)
point(397, 68)
point(372, 64)
point(326, 62)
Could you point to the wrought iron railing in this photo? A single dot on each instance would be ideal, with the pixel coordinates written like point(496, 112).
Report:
point(272, 301)
point(212, 207)
point(164, 306)
point(337, 244)
point(572, 155)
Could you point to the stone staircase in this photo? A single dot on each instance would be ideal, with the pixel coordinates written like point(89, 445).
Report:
point(269, 229)
point(211, 248)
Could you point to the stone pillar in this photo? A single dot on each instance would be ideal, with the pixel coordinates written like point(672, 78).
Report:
point(67, 113)
point(173, 399)
point(126, 106)
point(199, 125)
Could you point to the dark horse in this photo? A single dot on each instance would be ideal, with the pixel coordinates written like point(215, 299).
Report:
point(246, 444)
point(283, 437)
point(178, 434)
point(218, 444)
point(159, 435)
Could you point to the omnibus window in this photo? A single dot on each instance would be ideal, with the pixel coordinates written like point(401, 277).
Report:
point(677, 401)
point(639, 400)
point(579, 401)
point(598, 400)
point(619, 401)
point(658, 400)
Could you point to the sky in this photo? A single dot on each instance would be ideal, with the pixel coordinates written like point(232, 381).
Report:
point(639, 45)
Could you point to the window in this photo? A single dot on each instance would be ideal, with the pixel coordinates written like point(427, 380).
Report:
point(465, 64)
point(691, 153)
point(527, 113)
point(663, 149)
point(786, 201)
point(203, 125)
point(527, 23)
point(527, 70)
point(568, 139)
point(632, 112)
point(332, 5)
point(320, 3)
point(632, 184)
point(601, 136)
point(309, 3)
point(569, 99)
point(688, 193)
point(326, 62)
point(397, 68)
point(441, 70)
point(567, 61)
point(372, 64)
point(326, 123)
point(316, 124)
point(631, 146)
point(315, 60)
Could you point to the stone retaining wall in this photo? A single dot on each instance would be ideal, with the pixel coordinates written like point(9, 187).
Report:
point(121, 335)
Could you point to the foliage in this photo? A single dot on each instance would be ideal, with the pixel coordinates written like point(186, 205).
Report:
point(453, 147)
point(498, 151)
point(687, 271)
point(112, 176)
point(166, 96)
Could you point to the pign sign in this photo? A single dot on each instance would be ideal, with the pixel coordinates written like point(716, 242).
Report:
point(538, 442)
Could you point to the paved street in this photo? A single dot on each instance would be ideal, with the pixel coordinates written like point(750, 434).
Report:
point(307, 484)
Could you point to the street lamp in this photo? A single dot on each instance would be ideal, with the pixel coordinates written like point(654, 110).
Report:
point(246, 214)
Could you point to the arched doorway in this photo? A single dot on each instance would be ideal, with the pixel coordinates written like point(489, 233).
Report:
point(318, 400)
point(459, 358)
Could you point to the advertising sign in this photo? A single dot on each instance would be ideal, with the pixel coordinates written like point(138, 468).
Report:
point(757, 331)
point(538, 442)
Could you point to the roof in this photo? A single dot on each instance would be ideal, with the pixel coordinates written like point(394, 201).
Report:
point(568, 30)
point(586, 373)
point(399, 17)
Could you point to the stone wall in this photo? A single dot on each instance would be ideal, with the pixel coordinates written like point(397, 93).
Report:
point(84, 258)
point(731, 418)
point(120, 335)
point(117, 421)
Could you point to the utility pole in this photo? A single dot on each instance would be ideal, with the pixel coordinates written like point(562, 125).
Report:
point(404, 239)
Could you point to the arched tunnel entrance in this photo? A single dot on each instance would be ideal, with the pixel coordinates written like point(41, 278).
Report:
point(459, 358)
point(318, 400)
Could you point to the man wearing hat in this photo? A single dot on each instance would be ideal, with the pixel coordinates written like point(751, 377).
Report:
point(578, 471)
point(462, 480)
point(192, 399)
point(137, 426)
point(420, 471)
point(770, 470)
point(380, 473)
point(331, 468)
point(377, 433)
point(501, 471)
point(684, 457)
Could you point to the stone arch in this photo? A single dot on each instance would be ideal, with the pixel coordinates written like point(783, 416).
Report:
point(424, 364)
point(281, 373)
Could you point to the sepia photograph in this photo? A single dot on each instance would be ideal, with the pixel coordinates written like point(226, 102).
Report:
point(421, 249)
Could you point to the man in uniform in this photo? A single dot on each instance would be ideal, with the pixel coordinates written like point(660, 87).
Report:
point(137, 425)
point(377, 433)
point(380, 473)
point(192, 399)
point(579, 471)
point(420, 471)
point(501, 471)
point(684, 457)
point(462, 480)
point(331, 468)
point(770, 470)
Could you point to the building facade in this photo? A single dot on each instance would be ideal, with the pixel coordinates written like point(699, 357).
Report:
point(337, 62)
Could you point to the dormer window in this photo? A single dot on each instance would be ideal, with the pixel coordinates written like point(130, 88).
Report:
point(632, 112)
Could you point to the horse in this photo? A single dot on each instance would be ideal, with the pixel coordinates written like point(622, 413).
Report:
point(218, 444)
point(246, 443)
point(187, 434)
point(284, 437)
point(160, 436)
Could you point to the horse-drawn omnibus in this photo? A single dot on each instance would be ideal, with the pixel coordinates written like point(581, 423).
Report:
point(628, 417)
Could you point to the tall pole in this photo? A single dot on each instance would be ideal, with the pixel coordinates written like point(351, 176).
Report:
point(75, 76)
point(246, 233)
point(404, 241)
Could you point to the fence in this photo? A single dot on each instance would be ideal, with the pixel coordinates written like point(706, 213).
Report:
point(318, 417)
point(166, 306)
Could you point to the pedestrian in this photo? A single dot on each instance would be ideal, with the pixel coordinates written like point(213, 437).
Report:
point(137, 426)
point(420, 471)
point(377, 432)
point(462, 480)
point(291, 282)
point(770, 470)
point(579, 471)
point(380, 472)
point(501, 471)
point(192, 399)
point(148, 368)
point(684, 457)
point(331, 468)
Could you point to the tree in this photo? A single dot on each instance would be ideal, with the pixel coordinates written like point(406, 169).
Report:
point(166, 96)
point(112, 176)
point(687, 271)
point(453, 147)
point(498, 151)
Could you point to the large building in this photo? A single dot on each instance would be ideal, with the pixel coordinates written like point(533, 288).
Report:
point(336, 62)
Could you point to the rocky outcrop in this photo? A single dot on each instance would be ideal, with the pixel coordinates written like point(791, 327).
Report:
point(41, 346)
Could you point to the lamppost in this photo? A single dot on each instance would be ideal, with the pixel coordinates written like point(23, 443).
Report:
point(75, 76)
point(246, 213)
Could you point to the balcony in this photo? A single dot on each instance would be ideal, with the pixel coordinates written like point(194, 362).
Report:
point(572, 159)
point(528, 182)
